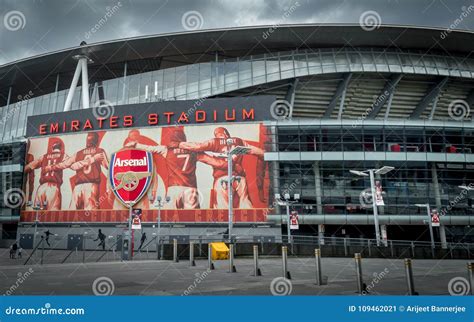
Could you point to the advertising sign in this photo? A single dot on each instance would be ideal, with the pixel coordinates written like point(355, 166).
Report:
point(174, 113)
point(95, 176)
point(294, 224)
point(434, 218)
point(136, 223)
point(378, 194)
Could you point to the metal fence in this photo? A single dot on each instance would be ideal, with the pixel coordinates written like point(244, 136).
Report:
point(73, 249)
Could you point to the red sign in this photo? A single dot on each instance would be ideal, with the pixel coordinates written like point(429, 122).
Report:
point(294, 224)
point(130, 174)
point(435, 218)
point(136, 223)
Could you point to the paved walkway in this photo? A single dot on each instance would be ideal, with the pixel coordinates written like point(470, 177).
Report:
point(152, 277)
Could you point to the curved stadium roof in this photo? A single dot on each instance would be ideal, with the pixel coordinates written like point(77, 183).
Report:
point(163, 51)
point(174, 49)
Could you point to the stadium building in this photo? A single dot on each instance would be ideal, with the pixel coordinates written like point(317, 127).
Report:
point(308, 102)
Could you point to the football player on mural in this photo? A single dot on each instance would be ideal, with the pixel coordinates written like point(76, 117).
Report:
point(30, 179)
point(87, 163)
point(49, 190)
point(182, 185)
point(219, 145)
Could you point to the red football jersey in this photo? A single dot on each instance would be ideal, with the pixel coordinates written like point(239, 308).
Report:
point(181, 167)
point(220, 146)
point(50, 159)
point(90, 173)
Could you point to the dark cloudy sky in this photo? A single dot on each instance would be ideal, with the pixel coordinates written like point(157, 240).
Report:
point(33, 27)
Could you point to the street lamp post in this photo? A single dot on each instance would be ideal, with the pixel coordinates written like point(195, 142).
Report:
point(428, 212)
point(371, 174)
point(159, 203)
point(37, 208)
point(286, 201)
point(237, 150)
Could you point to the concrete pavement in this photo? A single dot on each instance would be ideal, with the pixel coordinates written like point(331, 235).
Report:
point(152, 277)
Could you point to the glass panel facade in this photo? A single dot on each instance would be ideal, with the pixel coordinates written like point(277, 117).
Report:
point(217, 77)
point(410, 183)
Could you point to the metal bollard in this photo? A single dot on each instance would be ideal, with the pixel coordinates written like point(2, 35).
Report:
point(162, 249)
point(413, 249)
point(409, 276)
point(157, 248)
point(319, 273)
point(83, 249)
point(175, 251)
point(42, 250)
point(256, 269)
point(200, 246)
point(191, 254)
point(209, 257)
point(360, 279)
point(284, 257)
point(232, 268)
point(470, 274)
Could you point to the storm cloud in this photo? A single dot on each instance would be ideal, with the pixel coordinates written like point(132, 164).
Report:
point(30, 28)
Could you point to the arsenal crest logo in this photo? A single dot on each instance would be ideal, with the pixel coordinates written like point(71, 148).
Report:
point(130, 174)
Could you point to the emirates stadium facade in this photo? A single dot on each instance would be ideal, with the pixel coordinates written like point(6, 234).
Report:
point(309, 102)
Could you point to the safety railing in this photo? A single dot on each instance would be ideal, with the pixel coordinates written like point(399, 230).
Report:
point(298, 245)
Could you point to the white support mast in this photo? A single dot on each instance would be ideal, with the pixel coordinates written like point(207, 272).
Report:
point(81, 67)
